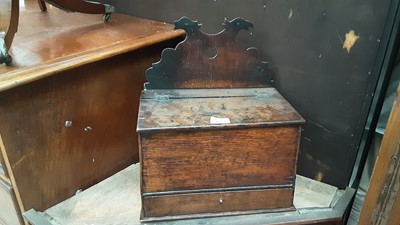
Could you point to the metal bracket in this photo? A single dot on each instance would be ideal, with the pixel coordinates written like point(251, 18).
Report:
point(109, 8)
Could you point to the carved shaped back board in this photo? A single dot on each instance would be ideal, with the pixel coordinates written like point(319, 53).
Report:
point(209, 61)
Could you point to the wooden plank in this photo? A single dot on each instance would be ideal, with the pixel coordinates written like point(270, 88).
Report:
point(255, 109)
point(209, 93)
point(192, 160)
point(394, 216)
point(116, 200)
point(34, 217)
point(113, 201)
point(382, 202)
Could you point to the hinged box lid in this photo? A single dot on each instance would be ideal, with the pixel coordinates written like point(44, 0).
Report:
point(214, 108)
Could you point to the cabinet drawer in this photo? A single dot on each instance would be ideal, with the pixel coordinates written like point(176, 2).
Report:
point(192, 205)
point(9, 213)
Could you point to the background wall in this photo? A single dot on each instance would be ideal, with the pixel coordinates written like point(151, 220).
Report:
point(303, 42)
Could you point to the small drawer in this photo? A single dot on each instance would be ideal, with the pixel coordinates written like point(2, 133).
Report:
point(9, 213)
point(206, 204)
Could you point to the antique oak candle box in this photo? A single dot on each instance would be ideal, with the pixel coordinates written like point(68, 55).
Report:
point(215, 139)
point(216, 151)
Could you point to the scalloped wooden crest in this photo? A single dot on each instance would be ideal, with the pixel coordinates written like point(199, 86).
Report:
point(209, 61)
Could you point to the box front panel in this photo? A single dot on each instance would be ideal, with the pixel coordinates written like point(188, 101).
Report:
point(190, 160)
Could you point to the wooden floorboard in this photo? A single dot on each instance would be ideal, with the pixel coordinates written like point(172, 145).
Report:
point(116, 200)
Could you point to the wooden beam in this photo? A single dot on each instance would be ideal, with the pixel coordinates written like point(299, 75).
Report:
point(382, 202)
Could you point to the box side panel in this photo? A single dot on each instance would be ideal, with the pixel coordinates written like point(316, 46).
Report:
point(217, 202)
point(189, 160)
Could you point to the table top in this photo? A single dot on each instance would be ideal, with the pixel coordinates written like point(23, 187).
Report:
point(53, 41)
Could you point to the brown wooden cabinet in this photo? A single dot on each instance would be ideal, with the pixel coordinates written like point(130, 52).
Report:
point(68, 104)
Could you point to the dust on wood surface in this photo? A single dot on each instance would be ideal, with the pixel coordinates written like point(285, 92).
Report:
point(184, 109)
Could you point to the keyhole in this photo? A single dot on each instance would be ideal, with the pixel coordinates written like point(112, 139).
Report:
point(211, 52)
